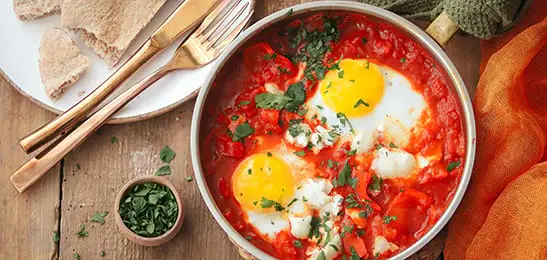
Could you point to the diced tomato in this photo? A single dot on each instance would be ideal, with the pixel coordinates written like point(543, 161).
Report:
point(269, 120)
point(410, 209)
point(351, 240)
point(266, 65)
point(223, 188)
point(225, 146)
point(284, 245)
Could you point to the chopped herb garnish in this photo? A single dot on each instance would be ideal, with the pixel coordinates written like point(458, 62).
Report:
point(249, 171)
point(318, 106)
point(269, 154)
point(315, 223)
point(323, 120)
point(166, 154)
point(290, 12)
point(352, 201)
point(351, 152)
point(364, 40)
point(55, 237)
point(266, 203)
point(244, 103)
point(292, 202)
point(99, 217)
point(269, 56)
point(102, 254)
point(388, 219)
point(392, 145)
point(354, 255)
point(378, 146)
point(82, 232)
point(321, 256)
point(149, 209)
point(282, 70)
point(298, 243)
point(189, 178)
point(295, 130)
point(376, 183)
point(344, 177)
point(331, 163)
point(164, 170)
point(300, 153)
point(249, 238)
point(360, 102)
point(344, 120)
point(302, 112)
point(242, 131)
point(403, 60)
point(367, 212)
point(340, 74)
point(76, 256)
point(113, 139)
point(234, 117)
point(453, 165)
point(291, 100)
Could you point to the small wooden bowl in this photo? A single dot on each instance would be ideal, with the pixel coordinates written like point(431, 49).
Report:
point(149, 241)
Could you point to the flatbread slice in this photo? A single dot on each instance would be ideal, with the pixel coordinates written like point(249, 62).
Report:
point(108, 26)
point(61, 62)
point(34, 9)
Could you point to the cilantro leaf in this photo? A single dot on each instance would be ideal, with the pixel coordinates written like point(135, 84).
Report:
point(242, 131)
point(376, 184)
point(99, 217)
point(453, 165)
point(271, 101)
point(166, 154)
point(266, 203)
point(388, 219)
point(344, 177)
point(354, 255)
point(82, 232)
point(297, 93)
point(164, 170)
point(300, 153)
point(55, 237)
point(360, 102)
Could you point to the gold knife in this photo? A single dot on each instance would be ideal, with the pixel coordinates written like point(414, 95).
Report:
point(184, 18)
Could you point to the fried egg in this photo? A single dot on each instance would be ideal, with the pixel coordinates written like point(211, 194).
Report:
point(362, 97)
point(277, 191)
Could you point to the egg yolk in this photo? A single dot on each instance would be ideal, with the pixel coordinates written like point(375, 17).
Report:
point(263, 178)
point(354, 89)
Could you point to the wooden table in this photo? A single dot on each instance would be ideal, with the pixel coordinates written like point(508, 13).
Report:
point(88, 179)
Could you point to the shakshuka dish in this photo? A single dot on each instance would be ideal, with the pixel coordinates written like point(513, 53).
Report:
point(332, 136)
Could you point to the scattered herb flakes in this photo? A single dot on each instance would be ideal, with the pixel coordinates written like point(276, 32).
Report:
point(298, 243)
point(302, 112)
point(392, 145)
point(315, 224)
point(344, 120)
point(271, 101)
point(102, 254)
point(388, 219)
point(78, 167)
point(266, 203)
point(290, 12)
point(149, 209)
point(300, 153)
point(292, 202)
point(269, 154)
point(295, 130)
point(242, 131)
point(331, 164)
point(364, 40)
point(376, 183)
point(403, 60)
point(291, 100)
point(76, 256)
point(378, 146)
point(166, 154)
point(244, 103)
point(352, 201)
point(113, 140)
point(189, 178)
point(164, 170)
point(340, 74)
point(453, 165)
point(269, 56)
point(344, 177)
point(297, 93)
point(56, 237)
point(82, 232)
point(360, 102)
point(99, 217)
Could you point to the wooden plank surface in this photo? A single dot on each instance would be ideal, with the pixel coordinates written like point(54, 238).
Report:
point(27, 221)
point(93, 174)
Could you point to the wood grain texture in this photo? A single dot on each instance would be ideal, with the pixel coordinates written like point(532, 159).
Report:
point(95, 171)
point(27, 221)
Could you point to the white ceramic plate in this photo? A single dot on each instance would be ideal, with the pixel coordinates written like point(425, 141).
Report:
point(19, 46)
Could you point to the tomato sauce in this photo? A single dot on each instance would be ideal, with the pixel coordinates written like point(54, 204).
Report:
point(401, 209)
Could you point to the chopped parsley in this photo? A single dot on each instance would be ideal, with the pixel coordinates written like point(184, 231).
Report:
point(403, 60)
point(266, 203)
point(352, 201)
point(360, 102)
point(282, 70)
point(234, 117)
point(331, 163)
point(189, 178)
point(392, 145)
point(340, 74)
point(366, 212)
point(102, 254)
point(291, 100)
point(378, 146)
point(298, 243)
point(55, 237)
point(321, 256)
point(315, 224)
point(292, 202)
point(113, 140)
point(242, 131)
point(376, 183)
point(295, 130)
point(300, 153)
point(364, 40)
point(344, 177)
point(166, 154)
point(164, 170)
point(76, 256)
point(99, 217)
point(243, 103)
point(269, 154)
point(269, 56)
point(453, 165)
point(344, 120)
point(82, 232)
point(290, 12)
point(354, 255)
point(388, 219)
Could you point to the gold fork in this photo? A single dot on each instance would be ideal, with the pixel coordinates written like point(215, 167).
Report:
point(220, 28)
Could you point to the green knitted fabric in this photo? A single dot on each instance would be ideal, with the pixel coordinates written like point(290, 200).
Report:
point(481, 18)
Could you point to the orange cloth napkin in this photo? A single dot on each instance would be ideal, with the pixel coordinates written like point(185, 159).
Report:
point(504, 212)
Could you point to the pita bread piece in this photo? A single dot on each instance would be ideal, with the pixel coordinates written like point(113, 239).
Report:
point(61, 62)
point(108, 26)
point(34, 9)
